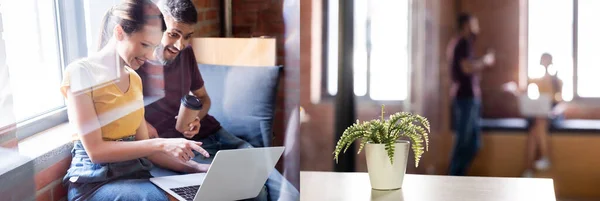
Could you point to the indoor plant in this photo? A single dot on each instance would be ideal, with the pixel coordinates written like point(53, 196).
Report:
point(385, 150)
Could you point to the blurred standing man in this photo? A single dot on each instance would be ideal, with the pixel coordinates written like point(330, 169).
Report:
point(465, 93)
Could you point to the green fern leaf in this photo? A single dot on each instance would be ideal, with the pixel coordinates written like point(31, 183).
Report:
point(362, 145)
point(424, 122)
point(389, 148)
point(422, 132)
point(417, 144)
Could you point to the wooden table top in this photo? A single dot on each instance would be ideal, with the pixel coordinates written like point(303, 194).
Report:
point(356, 186)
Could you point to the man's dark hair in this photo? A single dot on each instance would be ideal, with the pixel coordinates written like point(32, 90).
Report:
point(182, 11)
point(463, 19)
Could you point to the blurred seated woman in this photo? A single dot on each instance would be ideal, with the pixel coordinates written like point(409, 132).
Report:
point(112, 154)
point(537, 143)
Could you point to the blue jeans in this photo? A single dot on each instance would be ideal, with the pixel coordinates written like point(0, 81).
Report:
point(125, 181)
point(466, 115)
point(223, 140)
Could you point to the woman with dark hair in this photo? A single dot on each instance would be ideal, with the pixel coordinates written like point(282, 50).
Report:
point(112, 154)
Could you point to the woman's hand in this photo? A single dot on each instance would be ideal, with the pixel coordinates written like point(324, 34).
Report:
point(558, 110)
point(182, 149)
point(511, 87)
point(197, 167)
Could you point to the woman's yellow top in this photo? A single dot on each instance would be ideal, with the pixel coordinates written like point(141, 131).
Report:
point(120, 113)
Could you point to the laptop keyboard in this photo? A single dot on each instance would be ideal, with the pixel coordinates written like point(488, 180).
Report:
point(187, 192)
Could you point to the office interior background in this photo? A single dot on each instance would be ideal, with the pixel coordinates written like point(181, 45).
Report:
point(408, 70)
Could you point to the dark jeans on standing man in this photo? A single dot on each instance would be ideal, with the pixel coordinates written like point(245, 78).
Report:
point(465, 117)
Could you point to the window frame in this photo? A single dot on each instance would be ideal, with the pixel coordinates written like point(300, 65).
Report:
point(71, 38)
point(576, 97)
point(325, 96)
point(575, 40)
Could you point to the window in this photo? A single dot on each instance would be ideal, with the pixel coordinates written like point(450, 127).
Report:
point(32, 58)
point(39, 38)
point(568, 31)
point(587, 32)
point(94, 12)
point(381, 57)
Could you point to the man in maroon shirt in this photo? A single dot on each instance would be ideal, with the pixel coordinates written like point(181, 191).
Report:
point(176, 76)
point(465, 92)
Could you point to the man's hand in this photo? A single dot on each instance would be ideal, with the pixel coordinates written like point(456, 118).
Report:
point(489, 59)
point(194, 128)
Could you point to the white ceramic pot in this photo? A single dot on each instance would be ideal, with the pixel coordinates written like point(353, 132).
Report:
point(382, 173)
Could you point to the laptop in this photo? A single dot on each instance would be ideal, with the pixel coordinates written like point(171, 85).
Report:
point(540, 107)
point(233, 175)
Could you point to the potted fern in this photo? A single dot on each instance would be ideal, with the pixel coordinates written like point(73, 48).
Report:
point(386, 144)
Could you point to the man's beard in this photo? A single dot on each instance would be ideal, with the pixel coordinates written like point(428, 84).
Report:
point(159, 56)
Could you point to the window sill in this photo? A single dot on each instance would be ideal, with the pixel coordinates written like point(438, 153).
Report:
point(584, 102)
point(38, 166)
point(47, 147)
point(579, 126)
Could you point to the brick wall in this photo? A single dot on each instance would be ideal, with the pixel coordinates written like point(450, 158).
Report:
point(254, 18)
point(209, 20)
point(439, 29)
point(48, 182)
point(316, 136)
point(8, 137)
